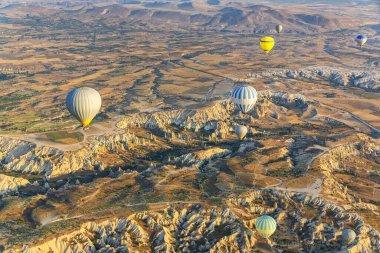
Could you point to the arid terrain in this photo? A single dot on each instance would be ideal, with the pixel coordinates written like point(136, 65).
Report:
point(160, 169)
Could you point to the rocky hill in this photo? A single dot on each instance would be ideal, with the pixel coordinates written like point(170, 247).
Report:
point(189, 155)
point(227, 17)
point(335, 77)
point(195, 228)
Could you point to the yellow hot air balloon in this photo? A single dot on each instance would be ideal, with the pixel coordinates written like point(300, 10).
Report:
point(267, 43)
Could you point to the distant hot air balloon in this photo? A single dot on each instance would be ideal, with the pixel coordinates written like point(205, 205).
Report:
point(84, 103)
point(265, 226)
point(348, 236)
point(278, 28)
point(244, 97)
point(241, 131)
point(361, 40)
point(267, 43)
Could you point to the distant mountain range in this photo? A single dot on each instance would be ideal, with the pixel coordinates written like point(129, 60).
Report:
point(198, 14)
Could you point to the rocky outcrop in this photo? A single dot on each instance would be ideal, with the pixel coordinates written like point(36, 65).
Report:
point(335, 77)
point(195, 228)
point(319, 234)
point(10, 184)
point(214, 120)
point(199, 158)
point(25, 157)
point(335, 161)
point(193, 119)
point(287, 100)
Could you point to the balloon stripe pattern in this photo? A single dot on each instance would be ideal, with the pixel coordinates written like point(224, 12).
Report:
point(267, 43)
point(83, 103)
point(244, 97)
point(265, 226)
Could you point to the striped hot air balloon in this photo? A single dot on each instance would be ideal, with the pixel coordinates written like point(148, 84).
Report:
point(244, 97)
point(84, 103)
point(267, 43)
point(265, 226)
point(361, 40)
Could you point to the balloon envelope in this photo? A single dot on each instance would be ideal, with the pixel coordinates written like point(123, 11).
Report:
point(348, 236)
point(244, 97)
point(265, 226)
point(84, 103)
point(279, 28)
point(361, 39)
point(241, 131)
point(267, 43)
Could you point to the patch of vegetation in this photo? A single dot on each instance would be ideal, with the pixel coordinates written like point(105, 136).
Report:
point(203, 79)
point(223, 63)
point(181, 194)
point(17, 96)
point(118, 72)
point(374, 176)
point(25, 235)
point(247, 160)
point(4, 77)
point(284, 173)
point(59, 135)
point(198, 90)
point(154, 198)
point(369, 95)
point(140, 208)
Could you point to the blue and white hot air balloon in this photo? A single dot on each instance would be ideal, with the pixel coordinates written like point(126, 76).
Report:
point(244, 97)
point(361, 40)
point(265, 226)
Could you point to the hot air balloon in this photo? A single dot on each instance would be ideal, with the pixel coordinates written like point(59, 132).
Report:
point(241, 131)
point(265, 226)
point(244, 97)
point(267, 43)
point(278, 28)
point(84, 103)
point(348, 236)
point(361, 40)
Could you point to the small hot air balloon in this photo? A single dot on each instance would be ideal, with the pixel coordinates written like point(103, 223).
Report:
point(361, 40)
point(241, 131)
point(267, 43)
point(278, 28)
point(244, 97)
point(348, 236)
point(265, 226)
point(84, 103)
